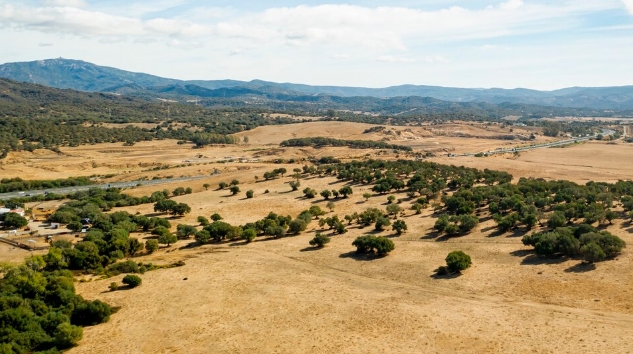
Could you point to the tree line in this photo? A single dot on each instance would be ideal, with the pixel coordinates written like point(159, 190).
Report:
point(354, 144)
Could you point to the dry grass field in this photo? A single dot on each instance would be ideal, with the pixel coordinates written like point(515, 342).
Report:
point(282, 296)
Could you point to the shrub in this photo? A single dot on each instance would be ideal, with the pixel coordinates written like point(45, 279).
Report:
point(399, 226)
point(370, 244)
point(249, 235)
point(319, 240)
point(457, 261)
point(591, 253)
point(114, 286)
point(132, 280)
point(90, 313)
point(249, 193)
point(381, 223)
point(151, 245)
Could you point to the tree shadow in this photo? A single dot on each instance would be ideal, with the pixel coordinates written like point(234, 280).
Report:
point(534, 259)
point(360, 256)
point(438, 275)
point(581, 267)
point(310, 249)
point(430, 236)
point(521, 253)
point(238, 244)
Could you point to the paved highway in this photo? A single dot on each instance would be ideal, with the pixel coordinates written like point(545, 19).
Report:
point(68, 190)
point(605, 132)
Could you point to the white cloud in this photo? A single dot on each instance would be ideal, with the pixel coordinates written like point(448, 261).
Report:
point(629, 5)
point(65, 3)
point(392, 59)
point(332, 25)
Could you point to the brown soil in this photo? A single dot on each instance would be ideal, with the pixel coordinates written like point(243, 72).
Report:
point(282, 296)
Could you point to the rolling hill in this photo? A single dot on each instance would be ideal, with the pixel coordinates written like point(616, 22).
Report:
point(84, 76)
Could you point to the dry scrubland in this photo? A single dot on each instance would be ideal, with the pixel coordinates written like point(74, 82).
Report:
point(281, 296)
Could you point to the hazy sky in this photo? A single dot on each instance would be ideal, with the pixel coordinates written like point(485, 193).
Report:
point(475, 43)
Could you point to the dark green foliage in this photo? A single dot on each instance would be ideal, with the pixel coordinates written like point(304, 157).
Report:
point(216, 217)
point(203, 221)
point(151, 245)
point(573, 241)
point(326, 194)
point(399, 226)
point(591, 253)
point(218, 230)
point(295, 185)
point(319, 240)
point(123, 267)
point(372, 244)
point(249, 235)
point(184, 232)
point(381, 223)
point(393, 209)
point(132, 280)
point(90, 313)
point(455, 224)
point(309, 193)
point(234, 189)
point(457, 261)
point(345, 191)
point(17, 184)
point(297, 225)
point(167, 238)
point(249, 193)
point(355, 144)
point(13, 220)
point(202, 237)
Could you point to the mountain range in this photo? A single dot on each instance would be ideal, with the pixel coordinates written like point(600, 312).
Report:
point(84, 76)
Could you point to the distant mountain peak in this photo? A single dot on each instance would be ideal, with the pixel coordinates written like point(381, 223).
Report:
point(85, 76)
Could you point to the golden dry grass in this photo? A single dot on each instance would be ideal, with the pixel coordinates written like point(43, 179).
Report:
point(281, 296)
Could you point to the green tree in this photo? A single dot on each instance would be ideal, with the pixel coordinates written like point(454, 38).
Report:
point(203, 221)
point(457, 261)
point(381, 222)
point(151, 245)
point(295, 185)
point(345, 191)
point(591, 253)
point(319, 240)
point(326, 194)
point(366, 195)
point(67, 335)
point(184, 231)
point(167, 238)
point(14, 221)
point(132, 280)
point(399, 226)
point(249, 235)
point(249, 193)
point(234, 189)
point(202, 237)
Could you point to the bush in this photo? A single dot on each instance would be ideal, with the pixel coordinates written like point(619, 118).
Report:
point(372, 244)
point(249, 235)
point(132, 280)
point(114, 286)
point(381, 223)
point(457, 261)
point(67, 335)
point(319, 240)
point(250, 193)
point(151, 245)
point(90, 313)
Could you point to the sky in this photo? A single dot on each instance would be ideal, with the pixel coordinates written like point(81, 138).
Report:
point(476, 43)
